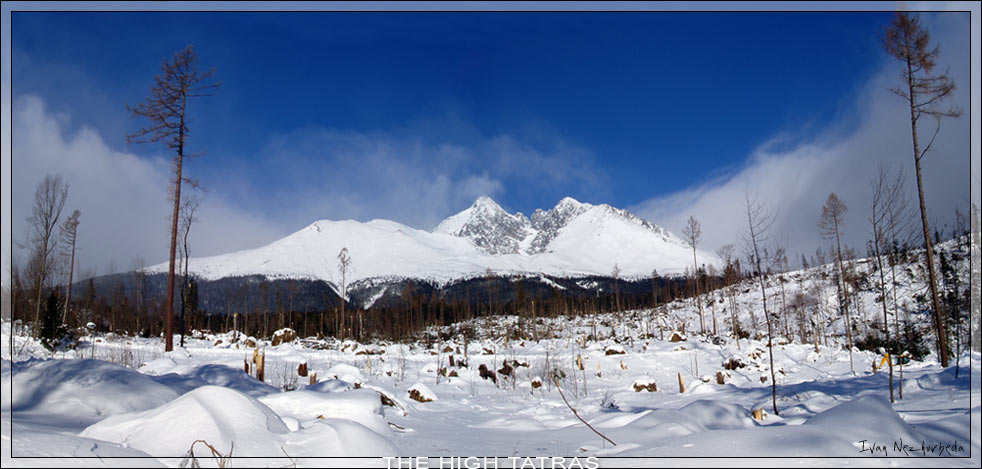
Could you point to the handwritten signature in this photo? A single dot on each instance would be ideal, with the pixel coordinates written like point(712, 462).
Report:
point(901, 448)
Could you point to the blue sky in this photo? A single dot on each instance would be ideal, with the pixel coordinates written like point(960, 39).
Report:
point(637, 92)
point(410, 116)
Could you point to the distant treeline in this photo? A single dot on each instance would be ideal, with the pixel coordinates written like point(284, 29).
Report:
point(132, 302)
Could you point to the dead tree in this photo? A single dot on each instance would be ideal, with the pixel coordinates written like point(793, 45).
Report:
point(69, 235)
point(167, 110)
point(615, 273)
point(760, 221)
point(49, 200)
point(730, 275)
point(187, 217)
point(887, 196)
point(693, 234)
point(344, 261)
point(907, 41)
point(829, 227)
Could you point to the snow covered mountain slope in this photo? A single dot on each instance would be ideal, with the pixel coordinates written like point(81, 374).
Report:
point(572, 239)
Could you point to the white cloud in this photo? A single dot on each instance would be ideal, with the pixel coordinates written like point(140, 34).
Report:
point(307, 175)
point(798, 180)
point(318, 173)
point(122, 197)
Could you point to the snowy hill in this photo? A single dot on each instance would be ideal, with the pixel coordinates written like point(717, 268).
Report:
point(572, 239)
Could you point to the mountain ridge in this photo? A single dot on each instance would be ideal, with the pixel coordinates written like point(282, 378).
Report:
point(573, 239)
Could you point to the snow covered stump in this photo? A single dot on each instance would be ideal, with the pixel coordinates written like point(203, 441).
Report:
point(420, 393)
point(645, 384)
point(283, 336)
point(260, 361)
point(614, 350)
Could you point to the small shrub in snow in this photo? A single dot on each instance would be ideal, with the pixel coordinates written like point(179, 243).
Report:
point(487, 374)
point(222, 460)
point(733, 363)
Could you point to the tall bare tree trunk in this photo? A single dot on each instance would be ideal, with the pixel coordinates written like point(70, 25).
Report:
point(843, 300)
point(166, 108)
point(938, 317)
point(908, 41)
point(68, 293)
point(169, 309)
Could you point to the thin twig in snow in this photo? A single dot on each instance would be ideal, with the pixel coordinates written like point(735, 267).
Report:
point(556, 381)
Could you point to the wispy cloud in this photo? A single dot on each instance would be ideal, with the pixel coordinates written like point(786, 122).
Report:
point(795, 177)
point(317, 173)
point(303, 176)
point(122, 196)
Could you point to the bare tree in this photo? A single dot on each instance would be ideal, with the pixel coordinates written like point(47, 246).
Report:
point(760, 221)
point(10, 302)
point(49, 200)
point(187, 216)
point(907, 41)
point(779, 264)
point(615, 273)
point(725, 252)
point(138, 264)
point(166, 108)
point(829, 227)
point(693, 234)
point(344, 261)
point(887, 199)
point(69, 235)
point(654, 288)
point(292, 289)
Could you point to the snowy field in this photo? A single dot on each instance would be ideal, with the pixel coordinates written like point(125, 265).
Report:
point(73, 405)
point(120, 401)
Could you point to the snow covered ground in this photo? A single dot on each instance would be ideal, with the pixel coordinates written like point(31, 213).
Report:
point(72, 405)
point(121, 401)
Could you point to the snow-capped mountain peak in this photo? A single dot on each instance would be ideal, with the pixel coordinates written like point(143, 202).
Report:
point(489, 227)
point(571, 239)
point(494, 231)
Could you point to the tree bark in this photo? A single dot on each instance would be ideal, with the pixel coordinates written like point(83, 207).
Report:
point(169, 309)
point(939, 320)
